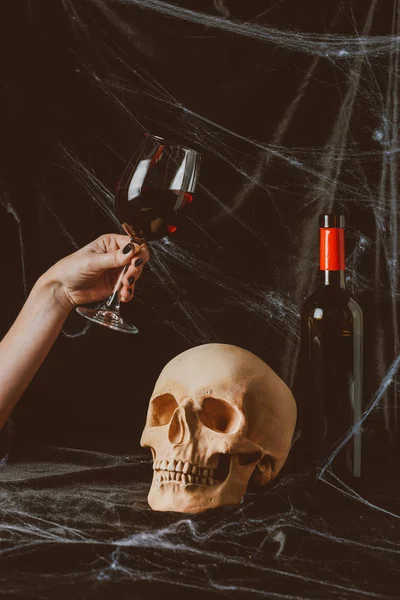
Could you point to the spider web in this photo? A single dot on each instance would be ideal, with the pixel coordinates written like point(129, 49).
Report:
point(93, 505)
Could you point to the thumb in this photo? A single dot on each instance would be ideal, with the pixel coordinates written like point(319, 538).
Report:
point(118, 258)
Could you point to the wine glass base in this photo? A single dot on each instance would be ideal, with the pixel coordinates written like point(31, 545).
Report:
point(107, 318)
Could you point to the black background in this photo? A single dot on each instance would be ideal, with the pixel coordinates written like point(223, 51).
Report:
point(286, 125)
point(293, 106)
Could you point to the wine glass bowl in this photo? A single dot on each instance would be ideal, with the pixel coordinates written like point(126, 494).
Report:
point(152, 197)
point(155, 213)
point(156, 189)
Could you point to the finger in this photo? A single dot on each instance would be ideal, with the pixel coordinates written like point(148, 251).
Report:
point(142, 252)
point(134, 270)
point(130, 279)
point(133, 273)
point(138, 248)
point(130, 276)
point(114, 259)
point(110, 242)
point(127, 292)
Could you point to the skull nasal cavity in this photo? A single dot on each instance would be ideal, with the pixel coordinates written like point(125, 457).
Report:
point(218, 415)
point(178, 432)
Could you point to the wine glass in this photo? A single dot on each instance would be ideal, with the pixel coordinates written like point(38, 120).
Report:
point(153, 194)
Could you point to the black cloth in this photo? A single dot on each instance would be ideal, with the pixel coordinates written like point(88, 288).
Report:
point(293, 106)
point(77, 524)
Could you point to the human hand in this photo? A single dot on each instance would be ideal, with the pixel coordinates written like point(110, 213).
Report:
point(90, 274)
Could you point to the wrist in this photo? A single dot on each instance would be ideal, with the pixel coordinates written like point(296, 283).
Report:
point(54, 293)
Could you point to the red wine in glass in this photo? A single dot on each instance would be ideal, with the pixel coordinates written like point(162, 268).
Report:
point(154, 213)
point(152, 197)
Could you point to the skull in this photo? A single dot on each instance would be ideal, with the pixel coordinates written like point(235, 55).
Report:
point(217, 417)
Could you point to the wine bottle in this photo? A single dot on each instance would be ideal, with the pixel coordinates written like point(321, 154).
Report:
point(331, 363)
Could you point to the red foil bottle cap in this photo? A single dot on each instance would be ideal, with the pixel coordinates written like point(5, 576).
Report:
point(332, 249)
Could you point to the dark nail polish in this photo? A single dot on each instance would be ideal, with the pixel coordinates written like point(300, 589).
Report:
point(131, 280)
point(130, 291)
point(127, 249)
point(138, 262)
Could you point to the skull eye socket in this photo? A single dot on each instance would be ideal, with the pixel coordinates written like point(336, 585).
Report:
point(161, 410)
point(218, 415)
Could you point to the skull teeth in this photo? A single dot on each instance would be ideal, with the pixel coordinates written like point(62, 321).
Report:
point(163, 476)
point(186, 468)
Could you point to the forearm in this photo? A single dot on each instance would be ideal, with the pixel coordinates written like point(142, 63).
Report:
point(28, 342)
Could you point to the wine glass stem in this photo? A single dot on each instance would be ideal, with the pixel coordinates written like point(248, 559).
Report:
point(113, 302)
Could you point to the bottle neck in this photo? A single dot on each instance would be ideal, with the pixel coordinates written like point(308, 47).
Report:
point(332, 259)
point(332, 278)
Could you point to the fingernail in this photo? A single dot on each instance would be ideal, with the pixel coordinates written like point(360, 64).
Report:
point(138, 262)
point(127, 249)
point(130, 291)
point(131, 280)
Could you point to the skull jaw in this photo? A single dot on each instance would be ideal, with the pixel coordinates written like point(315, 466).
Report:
point(193, 498)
